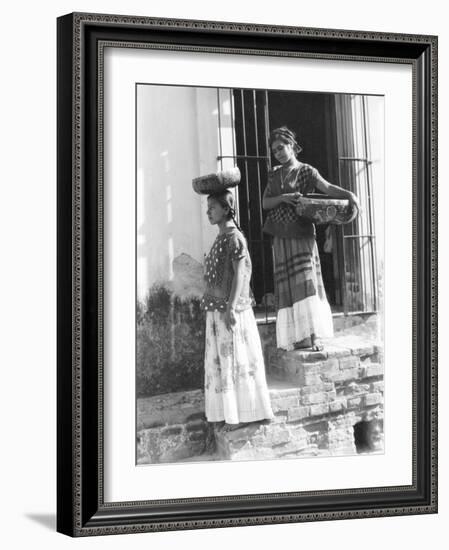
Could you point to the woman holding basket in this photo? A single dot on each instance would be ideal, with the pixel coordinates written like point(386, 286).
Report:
point(303, 312)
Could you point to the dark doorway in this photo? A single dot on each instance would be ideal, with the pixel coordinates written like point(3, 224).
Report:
point(312, 117)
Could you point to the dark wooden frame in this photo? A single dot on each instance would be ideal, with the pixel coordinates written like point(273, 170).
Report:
point(81, 510)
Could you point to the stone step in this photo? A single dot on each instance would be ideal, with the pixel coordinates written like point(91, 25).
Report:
point(344, 358)
point(262, 441)
point(364, 324)
point(300, 402)
point(317, 399)
point(307, 422)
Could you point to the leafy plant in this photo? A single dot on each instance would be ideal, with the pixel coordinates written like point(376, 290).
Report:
point(170, 343)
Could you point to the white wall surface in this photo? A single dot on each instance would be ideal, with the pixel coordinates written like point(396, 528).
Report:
point(28, 220)
point(177, 140)
point(168, 211)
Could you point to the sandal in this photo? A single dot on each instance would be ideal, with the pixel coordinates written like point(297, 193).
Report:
point(317, 345)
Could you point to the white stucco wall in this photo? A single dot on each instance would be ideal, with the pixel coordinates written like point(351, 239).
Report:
point(177, 140)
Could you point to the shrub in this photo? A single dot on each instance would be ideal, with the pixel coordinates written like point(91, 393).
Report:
point(170, 343)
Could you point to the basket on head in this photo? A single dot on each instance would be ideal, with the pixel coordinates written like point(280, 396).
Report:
point(321, 209)
point(216, 183)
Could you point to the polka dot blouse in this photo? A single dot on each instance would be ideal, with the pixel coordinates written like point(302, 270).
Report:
point(219, 272)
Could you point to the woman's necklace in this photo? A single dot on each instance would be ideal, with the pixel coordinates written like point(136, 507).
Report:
point(284, 179)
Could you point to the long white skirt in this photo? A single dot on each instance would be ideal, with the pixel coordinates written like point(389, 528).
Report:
point(309, 316)
point(235, 384)
point(302, 306)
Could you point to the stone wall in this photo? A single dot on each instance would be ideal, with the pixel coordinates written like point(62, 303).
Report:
point(171, 427)
point(318, 399)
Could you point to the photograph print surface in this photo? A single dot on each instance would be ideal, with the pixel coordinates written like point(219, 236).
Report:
point(259, 261)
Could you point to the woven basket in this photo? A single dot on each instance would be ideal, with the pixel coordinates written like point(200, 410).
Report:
point(321, 209)
point(216, 183)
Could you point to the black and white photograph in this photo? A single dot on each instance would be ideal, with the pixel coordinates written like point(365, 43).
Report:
point(220, 300)
point(259, 274)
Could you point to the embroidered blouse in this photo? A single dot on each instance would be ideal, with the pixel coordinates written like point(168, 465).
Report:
point(283, 221)
point(219, 272)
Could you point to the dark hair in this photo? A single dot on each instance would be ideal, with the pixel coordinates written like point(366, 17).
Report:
point(226, 200)
point(287, 136)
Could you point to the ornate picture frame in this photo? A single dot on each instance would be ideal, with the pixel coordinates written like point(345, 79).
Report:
point(82, 509)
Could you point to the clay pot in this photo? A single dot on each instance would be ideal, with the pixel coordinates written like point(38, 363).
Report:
point(216, 183)
point(321, 209)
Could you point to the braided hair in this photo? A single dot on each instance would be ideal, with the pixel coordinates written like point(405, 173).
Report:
point(285, 135)
point(226, 200)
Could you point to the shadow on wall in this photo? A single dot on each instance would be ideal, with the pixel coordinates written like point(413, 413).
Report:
point(170, 343)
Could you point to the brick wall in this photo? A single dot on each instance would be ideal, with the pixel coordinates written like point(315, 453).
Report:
point(317, 398)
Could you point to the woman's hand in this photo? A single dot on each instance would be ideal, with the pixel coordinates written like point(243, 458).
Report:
point(354, 202)
point(290, 198)
point(230, 319)
point(300, 207)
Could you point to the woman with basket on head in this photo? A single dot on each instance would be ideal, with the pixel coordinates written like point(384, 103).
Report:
point(235, 385)
point(303, 312)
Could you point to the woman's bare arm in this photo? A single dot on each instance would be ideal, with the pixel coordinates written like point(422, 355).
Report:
point(236, 289)
point(336, 192)
point(333, 190)
point(272, 202)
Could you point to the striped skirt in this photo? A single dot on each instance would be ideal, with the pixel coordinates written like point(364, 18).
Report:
point(301, 302)
point(235, 385)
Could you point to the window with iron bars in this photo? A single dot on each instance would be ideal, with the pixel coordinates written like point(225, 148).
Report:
point(332, 128)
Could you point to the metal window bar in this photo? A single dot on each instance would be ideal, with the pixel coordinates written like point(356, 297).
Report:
point(267, 149)
point(360, 270)
point(220, 128)
point(244, 157)
point(253, 143)
point(362, 278)
point(259, 194)
point(358, 248)
point(242, 99)
point(256, 243)
point(370, 203)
